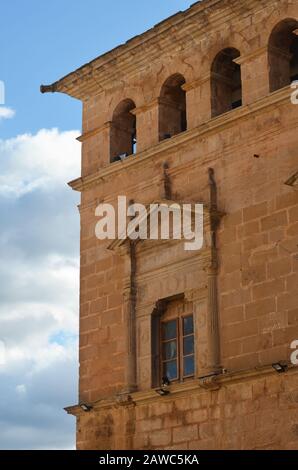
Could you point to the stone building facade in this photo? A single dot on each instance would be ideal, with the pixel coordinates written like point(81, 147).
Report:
point(197, 109)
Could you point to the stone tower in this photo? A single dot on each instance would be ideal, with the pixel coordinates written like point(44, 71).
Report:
point(197, 109)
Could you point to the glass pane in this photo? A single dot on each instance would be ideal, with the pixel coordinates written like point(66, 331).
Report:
point(169, 330)
point(188, 345)
point(170, 370)
point(188, 366)
point(170, 350)
point(187, 325)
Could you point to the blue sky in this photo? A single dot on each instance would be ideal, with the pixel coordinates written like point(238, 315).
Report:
point(43, 41)
point(39, 223)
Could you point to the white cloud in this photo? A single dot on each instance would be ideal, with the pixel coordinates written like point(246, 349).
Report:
point(39, 273)
point(6, 113)
point(41, 161)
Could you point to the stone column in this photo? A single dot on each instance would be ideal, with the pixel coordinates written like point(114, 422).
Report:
point(95, 149)
point(254, 75)
point(198, 101)
point(147, 120)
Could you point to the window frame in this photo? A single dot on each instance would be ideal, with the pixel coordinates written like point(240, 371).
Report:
point(180, 356)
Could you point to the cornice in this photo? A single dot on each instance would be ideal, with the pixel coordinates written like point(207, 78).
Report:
point(211, 126)
point(133, 56)
point(199, 385)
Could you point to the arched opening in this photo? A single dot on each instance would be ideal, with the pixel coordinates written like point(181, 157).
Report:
point(226, 85)
point(123, 132)
point(283, 54)
point(172, 108)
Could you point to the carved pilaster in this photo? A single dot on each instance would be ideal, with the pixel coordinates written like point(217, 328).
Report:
point(209, 383)
point(130, 297)
point(213, 320)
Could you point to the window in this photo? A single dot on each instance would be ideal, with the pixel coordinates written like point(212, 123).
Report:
point(172, 108)
point(226, 84)
point(283, 54)
point(177, 348)
point(123, 132)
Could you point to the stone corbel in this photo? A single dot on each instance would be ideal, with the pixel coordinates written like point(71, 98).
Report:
point(209, 382)
point(124, 399)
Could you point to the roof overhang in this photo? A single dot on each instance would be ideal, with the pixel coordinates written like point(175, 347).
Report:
point(134, 55)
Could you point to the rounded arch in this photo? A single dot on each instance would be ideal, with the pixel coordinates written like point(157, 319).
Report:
point(283, 54)
point(174, 82)
point(172, 107)
point(123, 107)
point(226, 83)
point(123, 139)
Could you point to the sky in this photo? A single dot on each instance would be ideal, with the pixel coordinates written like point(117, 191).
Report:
point(41, 42)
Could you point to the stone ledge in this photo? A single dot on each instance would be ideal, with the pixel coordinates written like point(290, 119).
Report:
point(211, 383)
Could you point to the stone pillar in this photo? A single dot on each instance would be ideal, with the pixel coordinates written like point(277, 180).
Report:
point(95, 149)
point(147, 118)
point(198, 101)
point(254, 75)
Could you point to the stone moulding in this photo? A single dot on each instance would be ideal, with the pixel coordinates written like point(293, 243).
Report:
point(181, 390)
